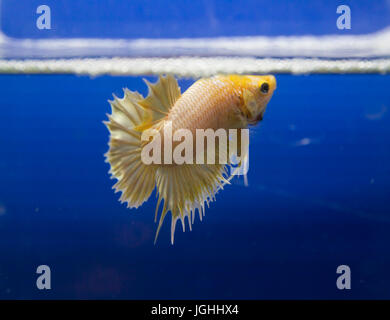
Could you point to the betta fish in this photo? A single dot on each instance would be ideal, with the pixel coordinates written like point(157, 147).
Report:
point(220, 102)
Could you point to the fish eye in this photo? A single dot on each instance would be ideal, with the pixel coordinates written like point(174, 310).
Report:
point(264, 87)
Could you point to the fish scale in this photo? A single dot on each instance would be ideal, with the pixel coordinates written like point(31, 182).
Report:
point(203, 106)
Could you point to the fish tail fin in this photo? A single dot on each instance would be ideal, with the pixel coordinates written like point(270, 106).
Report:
point(130, 116)
point(136, 181)
point(186, 188)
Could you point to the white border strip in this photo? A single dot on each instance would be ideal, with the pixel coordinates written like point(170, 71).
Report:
point(193, 66)
point(372, 45)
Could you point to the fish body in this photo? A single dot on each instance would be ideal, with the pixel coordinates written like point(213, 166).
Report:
point(218, 102)
point(221, 102)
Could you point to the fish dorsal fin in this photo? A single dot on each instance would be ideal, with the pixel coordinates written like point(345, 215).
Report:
point(161, 97)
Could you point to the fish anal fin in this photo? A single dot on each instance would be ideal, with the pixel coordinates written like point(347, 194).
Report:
point(187, 188)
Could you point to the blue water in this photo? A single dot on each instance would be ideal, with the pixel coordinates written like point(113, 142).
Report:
point(318, 197)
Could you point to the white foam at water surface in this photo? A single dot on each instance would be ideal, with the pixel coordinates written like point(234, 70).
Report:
point(194, 66)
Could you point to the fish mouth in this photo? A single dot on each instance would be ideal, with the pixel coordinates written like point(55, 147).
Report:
point(255, 121)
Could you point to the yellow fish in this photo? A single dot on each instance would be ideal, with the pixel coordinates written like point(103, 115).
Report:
point(221, 102)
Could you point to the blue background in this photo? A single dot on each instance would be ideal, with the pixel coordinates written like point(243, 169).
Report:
point(319, 178)
point(189, 18)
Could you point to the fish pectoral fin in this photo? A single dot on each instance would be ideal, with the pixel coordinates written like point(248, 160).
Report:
point(249, 102)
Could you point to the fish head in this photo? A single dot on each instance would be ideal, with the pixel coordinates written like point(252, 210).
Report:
point(256, 93)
